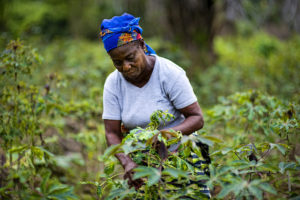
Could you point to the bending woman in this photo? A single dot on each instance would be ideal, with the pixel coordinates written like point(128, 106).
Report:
point(142, 83)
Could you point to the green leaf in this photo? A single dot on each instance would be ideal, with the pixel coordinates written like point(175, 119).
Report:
point(113, 149)
point(236, 186)
point(46, 177)
point(120, 193)
point(128, 147)
point(240, 163)
point(57, 188)
point(268, 167)
point(214, 139)
point(109, 168)
point(284, 166)
point(224, 169)
point(99, 191)
point(298, 159)
point(205, 140)
point(295, 198)
point(217, 152)
point(18, 149)
point(226, 150)
point(225, 191)
point(89, 182)
point(64, 193)
point(39, 152)
point(251, 114)
point(255, 191)
point(176, 173)
point(45, 151)
point(279, 147)
point(268, 188)
point(152, 173)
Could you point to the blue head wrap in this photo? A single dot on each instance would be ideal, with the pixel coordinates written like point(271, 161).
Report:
point(121, 30)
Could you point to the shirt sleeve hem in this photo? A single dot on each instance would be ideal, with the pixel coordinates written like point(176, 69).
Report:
point(187, 103)
point(111, 117)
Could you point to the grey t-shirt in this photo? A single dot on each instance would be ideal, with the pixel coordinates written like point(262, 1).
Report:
point(167, 89)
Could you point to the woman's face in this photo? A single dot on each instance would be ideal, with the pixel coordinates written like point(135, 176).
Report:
point(130, 59)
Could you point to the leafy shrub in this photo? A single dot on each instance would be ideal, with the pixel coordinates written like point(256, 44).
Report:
point(258, 61)
point(252, 136)
point(255, 157)
point(24, 157)
point(165, 165)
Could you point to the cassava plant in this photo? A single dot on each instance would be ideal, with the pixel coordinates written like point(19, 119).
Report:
point(256, 157)
point(253, 138)
point(23, 154)
point(165, 164)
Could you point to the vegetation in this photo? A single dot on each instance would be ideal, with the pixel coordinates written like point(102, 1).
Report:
point(253, 138)
point(52, 140)
point(257, 61)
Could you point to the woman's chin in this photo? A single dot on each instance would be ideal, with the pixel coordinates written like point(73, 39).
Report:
point(131, 76)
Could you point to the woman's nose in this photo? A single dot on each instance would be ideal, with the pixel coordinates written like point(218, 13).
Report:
point(126, 67)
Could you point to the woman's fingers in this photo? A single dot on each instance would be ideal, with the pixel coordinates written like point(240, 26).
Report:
point(133, 183)
point(168, 134)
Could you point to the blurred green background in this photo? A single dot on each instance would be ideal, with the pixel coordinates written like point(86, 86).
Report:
point(225, 47)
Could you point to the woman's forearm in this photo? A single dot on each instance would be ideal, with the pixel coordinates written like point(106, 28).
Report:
point(190, 124)
point(114, 139)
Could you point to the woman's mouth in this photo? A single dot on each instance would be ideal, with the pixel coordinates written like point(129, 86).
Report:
point(129, 74)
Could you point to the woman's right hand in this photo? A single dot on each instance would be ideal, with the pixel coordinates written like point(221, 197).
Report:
point(129, 175)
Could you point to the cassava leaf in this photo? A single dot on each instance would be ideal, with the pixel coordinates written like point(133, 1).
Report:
point(176, 173)
point(113, 149)
point(279, 147)
point(255, 191)
point(267, 187)
point(152, 173)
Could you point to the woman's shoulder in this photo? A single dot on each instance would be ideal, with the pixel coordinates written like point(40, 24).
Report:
point(112, 79)
point(168, 68)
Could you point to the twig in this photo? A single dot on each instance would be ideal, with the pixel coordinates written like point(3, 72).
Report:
point(237, 155)
point(111, 178)
point(265, 154)
point(289, 182)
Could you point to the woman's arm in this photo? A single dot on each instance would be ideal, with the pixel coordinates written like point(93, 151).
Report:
point(193, 119)
point(114, 136)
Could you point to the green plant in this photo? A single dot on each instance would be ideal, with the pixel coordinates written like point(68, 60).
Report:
point(255, 157)
point(259, 61)
point(252, 136)
point(165, 165)
point(24, 158)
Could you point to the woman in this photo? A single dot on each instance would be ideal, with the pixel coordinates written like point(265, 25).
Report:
point(142, 84)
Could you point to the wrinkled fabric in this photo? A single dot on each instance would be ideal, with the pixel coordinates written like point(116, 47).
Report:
point(121, 30)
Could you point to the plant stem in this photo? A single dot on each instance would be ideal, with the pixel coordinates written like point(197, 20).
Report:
point(111, 178)
point(289, 181)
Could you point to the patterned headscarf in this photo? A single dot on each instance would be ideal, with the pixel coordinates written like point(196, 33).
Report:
point(121, 30)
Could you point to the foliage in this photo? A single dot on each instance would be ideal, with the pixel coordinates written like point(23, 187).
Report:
point(52, 133)
point(257, 158)
point(258, 61)
point(24, 157)
point(165, 164)
point(244, 165)
point(37, 19)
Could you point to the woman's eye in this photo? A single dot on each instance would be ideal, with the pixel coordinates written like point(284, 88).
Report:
point(117, 63)
point(131, 58)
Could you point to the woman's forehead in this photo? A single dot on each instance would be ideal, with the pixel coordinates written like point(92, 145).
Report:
point(124, 50)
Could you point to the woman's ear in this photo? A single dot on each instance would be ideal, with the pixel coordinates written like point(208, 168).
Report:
point(142, 44)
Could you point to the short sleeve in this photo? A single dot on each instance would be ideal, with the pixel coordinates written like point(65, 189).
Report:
point(111, 106)
point(181, 92)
